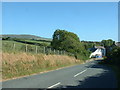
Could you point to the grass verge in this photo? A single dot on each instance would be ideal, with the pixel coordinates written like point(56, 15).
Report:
point(22, 64)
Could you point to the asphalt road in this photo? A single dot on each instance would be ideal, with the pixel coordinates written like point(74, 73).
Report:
point(88, 75)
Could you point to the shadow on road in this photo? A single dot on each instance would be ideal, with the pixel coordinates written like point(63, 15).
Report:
point(106, 79)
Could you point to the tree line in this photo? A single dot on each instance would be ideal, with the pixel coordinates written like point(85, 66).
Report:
point(70, 42)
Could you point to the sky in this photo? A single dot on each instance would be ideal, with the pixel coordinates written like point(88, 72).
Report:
point(91, 21)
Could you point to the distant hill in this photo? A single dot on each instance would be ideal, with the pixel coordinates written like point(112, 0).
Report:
point(25, 36)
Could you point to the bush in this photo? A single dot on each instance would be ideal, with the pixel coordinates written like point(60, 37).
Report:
point(113, 56)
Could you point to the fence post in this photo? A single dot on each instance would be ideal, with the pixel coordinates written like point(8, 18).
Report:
point(50, 50)
point(26, 48)
point(36, 49)
point(54, 51)
point(44, 50)
point(64, 53)
point(13, 46)
point(61, 52)
point(58, 52)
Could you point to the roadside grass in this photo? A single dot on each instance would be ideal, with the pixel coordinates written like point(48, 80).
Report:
point(21, 64)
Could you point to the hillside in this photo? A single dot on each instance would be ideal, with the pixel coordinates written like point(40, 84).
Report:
point(25, 36)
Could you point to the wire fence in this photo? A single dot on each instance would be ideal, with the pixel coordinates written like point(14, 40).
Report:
point(15, 47)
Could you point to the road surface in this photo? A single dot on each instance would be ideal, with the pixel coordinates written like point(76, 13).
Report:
point(88, 75)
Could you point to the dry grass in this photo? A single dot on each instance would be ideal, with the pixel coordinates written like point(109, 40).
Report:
point(20, 64)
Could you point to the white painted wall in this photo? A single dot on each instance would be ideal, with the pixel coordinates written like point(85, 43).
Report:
point(100, 52)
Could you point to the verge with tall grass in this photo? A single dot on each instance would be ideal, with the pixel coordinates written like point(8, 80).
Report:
point(21, 64)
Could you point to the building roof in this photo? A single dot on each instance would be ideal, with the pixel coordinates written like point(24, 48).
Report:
point(117, 44)
point(100, 47)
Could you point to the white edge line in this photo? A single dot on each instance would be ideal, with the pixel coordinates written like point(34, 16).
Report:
point(54, 85)
point(80, 73)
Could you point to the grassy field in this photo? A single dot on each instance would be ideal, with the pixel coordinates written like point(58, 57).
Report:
point(16, 47)
point(12, 46)
point(21, 64)
point(41, 42)
point(36, 42)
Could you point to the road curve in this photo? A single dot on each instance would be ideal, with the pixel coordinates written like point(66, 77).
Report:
point(88, 75)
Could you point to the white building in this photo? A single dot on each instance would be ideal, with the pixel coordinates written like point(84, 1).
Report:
point(100, 51)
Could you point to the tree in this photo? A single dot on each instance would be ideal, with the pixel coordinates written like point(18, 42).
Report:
point(68, 41)
point(6, 38)
point(108, 44)
point(64, 40)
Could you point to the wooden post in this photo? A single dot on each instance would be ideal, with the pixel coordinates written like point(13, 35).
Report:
point(26, 48)
point(64, 52)
point(13, 46)
point(58, 52)
point(54, 51)
point(50, 50)
point(44, 50)
point(36, 49)
point(61, 52)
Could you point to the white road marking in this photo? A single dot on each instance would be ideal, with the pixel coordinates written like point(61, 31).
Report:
point(54, 85)
point(80, 73)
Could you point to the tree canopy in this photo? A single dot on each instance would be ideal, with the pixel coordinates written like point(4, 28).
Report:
point(64, 40)
point(108, 43)
point(68, 41)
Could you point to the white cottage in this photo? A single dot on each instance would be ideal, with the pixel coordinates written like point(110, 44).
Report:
point(100, 51)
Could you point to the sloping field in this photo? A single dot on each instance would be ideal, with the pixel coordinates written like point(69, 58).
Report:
point(12, 46)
